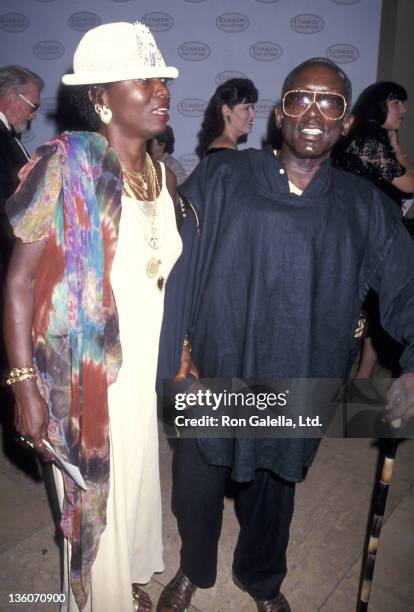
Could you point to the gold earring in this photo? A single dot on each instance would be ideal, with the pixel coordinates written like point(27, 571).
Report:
point(104, 113)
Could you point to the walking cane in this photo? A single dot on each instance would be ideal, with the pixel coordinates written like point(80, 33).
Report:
point(376, 520)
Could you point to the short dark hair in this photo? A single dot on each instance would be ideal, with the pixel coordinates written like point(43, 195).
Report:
point(371, 106)
point(15, 77)
point(319, 61)
point(167, 137)
point(231, 92)
point(82, 107)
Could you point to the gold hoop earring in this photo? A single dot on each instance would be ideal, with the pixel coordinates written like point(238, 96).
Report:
point(105, 113)
point(228, 118)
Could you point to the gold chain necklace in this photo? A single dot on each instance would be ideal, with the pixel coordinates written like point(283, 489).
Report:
point(145, 194)
point(143, 187)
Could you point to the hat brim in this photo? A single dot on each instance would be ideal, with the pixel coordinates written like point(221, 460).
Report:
point(92, 78)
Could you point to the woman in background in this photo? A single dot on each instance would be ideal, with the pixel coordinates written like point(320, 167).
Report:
point(161, 148)
point(228, 116)
point(372, 149)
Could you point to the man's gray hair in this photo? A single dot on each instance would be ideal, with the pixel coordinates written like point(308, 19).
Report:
point(14, 77)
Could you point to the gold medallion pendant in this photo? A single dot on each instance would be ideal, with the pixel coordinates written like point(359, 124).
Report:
point(153, 266)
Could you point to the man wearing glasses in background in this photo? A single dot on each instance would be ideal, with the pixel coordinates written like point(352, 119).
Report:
point(287, 249)
point(19, 100)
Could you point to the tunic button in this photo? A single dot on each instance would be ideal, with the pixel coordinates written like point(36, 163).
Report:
point(281, 171)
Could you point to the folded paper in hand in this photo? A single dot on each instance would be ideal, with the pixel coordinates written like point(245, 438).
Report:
point(69, 468)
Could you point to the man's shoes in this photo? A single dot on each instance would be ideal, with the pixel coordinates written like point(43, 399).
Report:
point(277, 604)
point(176, 596)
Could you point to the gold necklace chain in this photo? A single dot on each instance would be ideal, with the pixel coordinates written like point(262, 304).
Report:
point(142, 195)
point(141, 185)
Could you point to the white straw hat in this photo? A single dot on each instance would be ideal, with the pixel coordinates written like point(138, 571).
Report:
point(118, 51)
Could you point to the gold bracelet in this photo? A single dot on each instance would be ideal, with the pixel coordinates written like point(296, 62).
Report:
point(16, 379)
point(23, 370)
point(18, 374)
point(187, 344)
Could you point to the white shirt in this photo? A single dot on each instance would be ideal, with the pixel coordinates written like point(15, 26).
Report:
point(3, 118)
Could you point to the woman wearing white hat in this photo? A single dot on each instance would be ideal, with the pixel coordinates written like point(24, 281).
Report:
point(96, 241)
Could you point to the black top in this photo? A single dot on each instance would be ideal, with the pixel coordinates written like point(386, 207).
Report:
point(12, 159)
point(371, 155)
point(217, 150)
point(272, 287)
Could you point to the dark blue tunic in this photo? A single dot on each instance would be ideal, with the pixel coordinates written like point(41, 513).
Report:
point(272, 286)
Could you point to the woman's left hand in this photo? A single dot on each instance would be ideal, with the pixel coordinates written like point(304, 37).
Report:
point(187, 367)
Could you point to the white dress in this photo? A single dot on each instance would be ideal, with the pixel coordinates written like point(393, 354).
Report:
point(130, 548)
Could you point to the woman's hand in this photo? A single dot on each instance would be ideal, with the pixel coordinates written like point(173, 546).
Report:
point(31, 411)
point(404, 183)
point(400, 398)
point(394, 140)
point(31, 415)
point(187, 367)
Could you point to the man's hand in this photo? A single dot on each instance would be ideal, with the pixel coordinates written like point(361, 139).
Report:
point(400, 398)
point(187, 367)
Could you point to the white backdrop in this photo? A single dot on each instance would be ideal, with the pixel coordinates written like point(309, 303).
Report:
point(208, 40)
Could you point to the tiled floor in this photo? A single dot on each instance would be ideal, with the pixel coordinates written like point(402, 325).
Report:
point(325, 547)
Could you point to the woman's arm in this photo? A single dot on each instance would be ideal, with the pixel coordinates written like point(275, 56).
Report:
point(171, 181)
point(404, 183)
point(187, 366)
point(31, 411)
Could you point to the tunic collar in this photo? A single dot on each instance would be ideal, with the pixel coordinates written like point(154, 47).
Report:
point(271, 177)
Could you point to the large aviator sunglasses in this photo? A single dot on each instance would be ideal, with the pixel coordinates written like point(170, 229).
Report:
point(330, 104)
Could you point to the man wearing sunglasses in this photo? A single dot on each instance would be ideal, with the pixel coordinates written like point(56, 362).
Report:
point(287, 248)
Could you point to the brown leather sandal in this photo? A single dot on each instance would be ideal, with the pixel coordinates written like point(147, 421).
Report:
point(141, 599)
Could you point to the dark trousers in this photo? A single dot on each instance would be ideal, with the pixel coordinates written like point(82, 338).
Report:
point(264, 508)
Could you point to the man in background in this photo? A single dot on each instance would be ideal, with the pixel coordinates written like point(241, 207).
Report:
point(19, 100)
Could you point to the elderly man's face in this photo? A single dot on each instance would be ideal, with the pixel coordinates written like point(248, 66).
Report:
point(313, 134)
point(24, 106)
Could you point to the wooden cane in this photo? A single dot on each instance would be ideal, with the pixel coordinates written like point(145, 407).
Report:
point(377, 517)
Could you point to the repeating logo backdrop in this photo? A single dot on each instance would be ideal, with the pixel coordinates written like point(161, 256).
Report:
point(208, 40)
